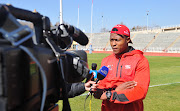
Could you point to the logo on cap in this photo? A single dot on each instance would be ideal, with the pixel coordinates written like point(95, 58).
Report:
point(126, 32)
point(118, 26)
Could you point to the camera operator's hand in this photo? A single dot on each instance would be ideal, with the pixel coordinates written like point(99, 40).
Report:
point(91, 85)
point(126, 85)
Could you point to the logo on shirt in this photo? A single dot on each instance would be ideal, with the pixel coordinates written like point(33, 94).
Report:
point(94, 73)
point(110, 67)
point(127, 66)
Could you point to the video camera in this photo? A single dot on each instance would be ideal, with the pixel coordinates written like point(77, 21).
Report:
point(35, 64)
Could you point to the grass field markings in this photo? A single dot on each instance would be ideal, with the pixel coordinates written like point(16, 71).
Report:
point(149, 86)
point(175, 66)
point(83, 94)
point(164, 84)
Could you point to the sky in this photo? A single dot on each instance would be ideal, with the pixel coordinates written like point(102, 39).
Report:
point(106, 13)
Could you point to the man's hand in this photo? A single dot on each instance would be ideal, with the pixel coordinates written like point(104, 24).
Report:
point(98, 93)
point(101, 94)
point(91, 85)
point(126, 85)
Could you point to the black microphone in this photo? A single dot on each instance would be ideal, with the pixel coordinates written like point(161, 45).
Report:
point(77, 35)
point(94, 66)
point(92, 73)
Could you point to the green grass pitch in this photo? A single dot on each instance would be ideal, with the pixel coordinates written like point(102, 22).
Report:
point(163, 70)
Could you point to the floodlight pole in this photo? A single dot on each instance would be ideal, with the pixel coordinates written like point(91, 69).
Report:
point(147, 20)
point(90, 45)
point(102, 23)
point(61, 13)
point(91, 19)
point(78, 18)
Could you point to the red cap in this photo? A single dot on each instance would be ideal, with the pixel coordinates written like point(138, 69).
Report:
point(122, 30)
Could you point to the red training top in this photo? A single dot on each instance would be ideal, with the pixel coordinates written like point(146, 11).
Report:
point(130, 66)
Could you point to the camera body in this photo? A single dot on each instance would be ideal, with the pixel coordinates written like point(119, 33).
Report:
point(20, 79)
point(21, 84)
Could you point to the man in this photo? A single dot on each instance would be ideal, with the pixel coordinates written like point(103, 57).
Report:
point(127, 81)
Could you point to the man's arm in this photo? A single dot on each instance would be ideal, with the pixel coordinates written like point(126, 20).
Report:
point(75, 89)
point(102, 94)
point(142, 77)
point(129, 92)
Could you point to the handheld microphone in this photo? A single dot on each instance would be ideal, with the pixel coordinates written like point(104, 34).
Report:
point(94, 67)
point(93, 70)
point(77, 35)
point(101, 74)
point(92, 73)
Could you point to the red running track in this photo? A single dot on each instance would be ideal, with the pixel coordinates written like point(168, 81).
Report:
point(146, 53)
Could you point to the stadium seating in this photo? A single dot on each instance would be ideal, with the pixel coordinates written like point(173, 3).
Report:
point(98, 41)
point(163, 40)
point(152, 41)
point(141, 40)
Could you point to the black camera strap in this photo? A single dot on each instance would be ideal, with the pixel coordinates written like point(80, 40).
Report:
point(57, 52)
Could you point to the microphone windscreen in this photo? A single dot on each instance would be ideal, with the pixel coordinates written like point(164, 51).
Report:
point(90, 76)
point(78, 35)
point(103, 71)
point(94, 66)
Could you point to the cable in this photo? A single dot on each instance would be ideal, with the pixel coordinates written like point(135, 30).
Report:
point(52, 47)
point(90, 103)
point(85, 101)
point(58, 55)
point(43, 76)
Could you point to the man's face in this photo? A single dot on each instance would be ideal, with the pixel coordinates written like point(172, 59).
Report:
point(119, 43)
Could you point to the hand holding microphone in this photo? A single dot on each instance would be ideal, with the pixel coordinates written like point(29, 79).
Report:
point(101, 74)
point(91, 85)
